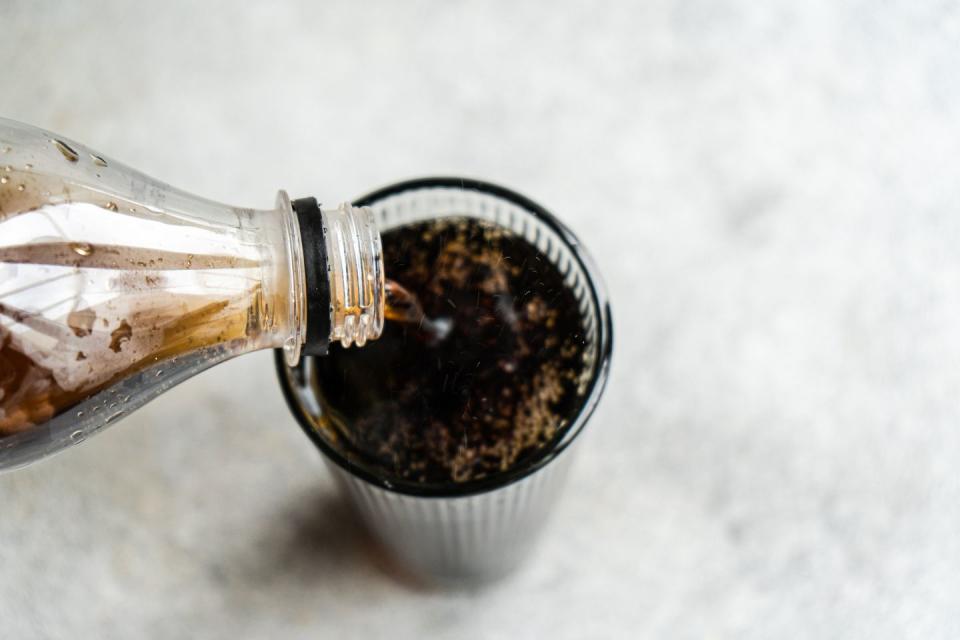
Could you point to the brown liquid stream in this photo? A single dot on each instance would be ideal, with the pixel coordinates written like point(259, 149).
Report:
point(404, 306)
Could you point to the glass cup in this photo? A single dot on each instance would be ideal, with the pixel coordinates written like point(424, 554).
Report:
point(477, 531)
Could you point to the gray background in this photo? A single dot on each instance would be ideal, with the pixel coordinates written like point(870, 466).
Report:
point(771, 191)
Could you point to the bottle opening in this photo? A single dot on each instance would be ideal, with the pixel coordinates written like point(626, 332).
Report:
point(355, 269)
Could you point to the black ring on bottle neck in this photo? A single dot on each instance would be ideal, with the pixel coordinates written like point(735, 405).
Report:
point(314, 242)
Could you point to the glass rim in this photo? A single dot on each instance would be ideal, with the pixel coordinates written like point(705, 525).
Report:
point(545, 454)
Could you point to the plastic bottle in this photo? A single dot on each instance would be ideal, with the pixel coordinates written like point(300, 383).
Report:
point(115, 287)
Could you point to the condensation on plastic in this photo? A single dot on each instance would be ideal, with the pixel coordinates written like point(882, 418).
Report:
point(193, 282)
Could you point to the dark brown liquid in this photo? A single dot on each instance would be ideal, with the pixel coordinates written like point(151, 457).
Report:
point(478, 369)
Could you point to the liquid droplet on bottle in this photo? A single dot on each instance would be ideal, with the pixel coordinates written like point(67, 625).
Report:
point(8, 168)
point(79, 414)
point(81, 322)
point(82, 248)
point(97, 160)
point(120, 335)
point(78, 436)
point(7, 149)
point(28, 166)
point(66, 150)
point(20, 187)
point(4, 179)
point(113, 417)
point(111, 206)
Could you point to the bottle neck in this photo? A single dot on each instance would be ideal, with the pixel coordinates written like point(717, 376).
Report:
point(335, 272)
point(354, 275)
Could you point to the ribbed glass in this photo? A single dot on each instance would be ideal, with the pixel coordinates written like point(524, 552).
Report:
point(475, 531)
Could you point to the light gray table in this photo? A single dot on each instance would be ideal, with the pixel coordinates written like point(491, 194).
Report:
point(771, 190)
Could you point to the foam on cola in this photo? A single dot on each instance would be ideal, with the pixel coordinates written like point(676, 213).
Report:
point(480, 366)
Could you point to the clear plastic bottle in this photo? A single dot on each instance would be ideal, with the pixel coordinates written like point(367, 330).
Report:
point(114, 287)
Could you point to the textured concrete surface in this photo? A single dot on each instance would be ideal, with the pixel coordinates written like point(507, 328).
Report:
point(771, 191)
